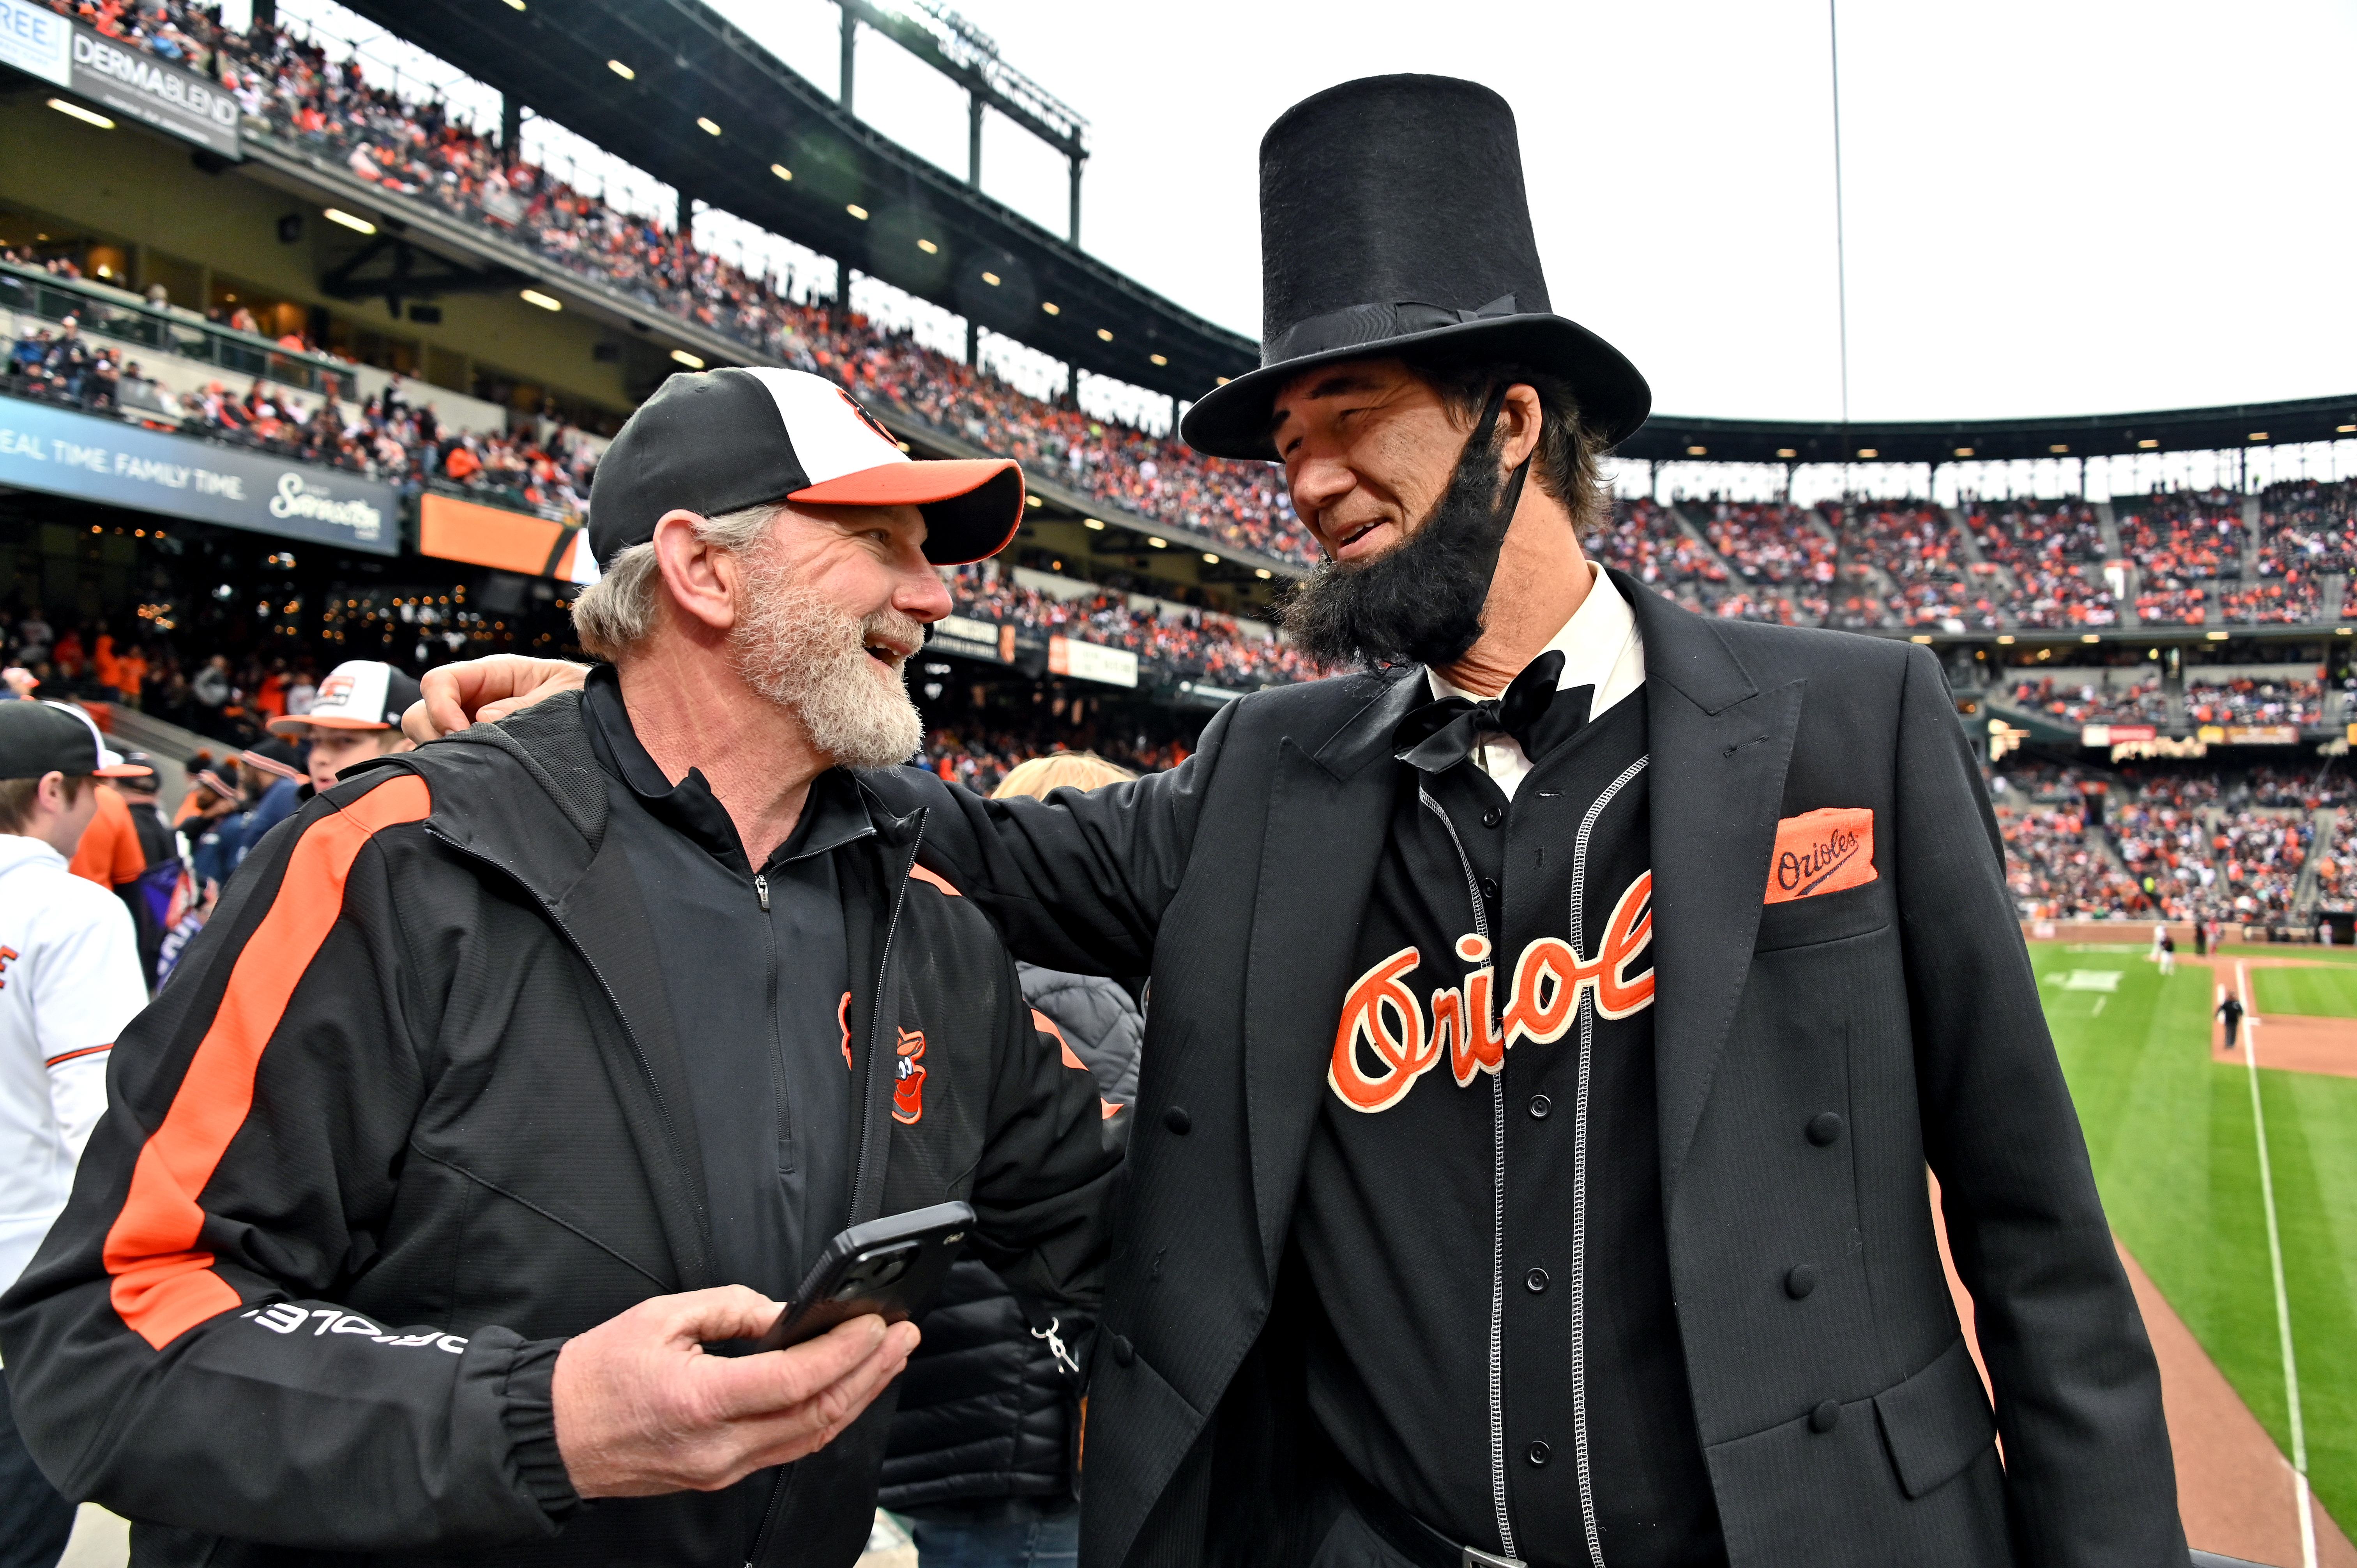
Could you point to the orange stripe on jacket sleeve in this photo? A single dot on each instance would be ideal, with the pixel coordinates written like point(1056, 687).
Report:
point(164, 1285)
point(1047, 1026)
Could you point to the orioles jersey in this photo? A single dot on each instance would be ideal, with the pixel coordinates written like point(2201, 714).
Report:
point(1480, 1213)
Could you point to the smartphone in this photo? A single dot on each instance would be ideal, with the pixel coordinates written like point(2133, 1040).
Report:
point(890, 1267)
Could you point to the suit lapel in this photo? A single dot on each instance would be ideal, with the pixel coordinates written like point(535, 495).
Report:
point(1328, 814)
point(1720, 747)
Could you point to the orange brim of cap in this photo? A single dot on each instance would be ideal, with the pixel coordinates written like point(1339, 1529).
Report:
point(123, 770)
point(296, 723)
point(908, 484)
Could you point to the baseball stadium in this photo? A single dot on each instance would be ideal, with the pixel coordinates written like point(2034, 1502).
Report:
point(322, 318)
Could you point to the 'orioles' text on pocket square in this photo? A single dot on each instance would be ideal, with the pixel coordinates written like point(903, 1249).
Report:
point(1822, 851)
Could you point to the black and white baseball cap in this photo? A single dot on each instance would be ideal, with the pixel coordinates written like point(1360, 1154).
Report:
point(720, 441)
point(358, 693)
point(42, 737)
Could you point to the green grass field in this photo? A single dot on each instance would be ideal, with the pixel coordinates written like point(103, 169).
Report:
point(2170, 1135)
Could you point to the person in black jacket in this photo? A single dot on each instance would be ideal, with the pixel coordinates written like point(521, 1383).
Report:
point(512, 1073)
point(1552, 1026)
point(986, 1441)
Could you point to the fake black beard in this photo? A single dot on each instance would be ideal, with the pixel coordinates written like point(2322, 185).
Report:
point(1421, 601)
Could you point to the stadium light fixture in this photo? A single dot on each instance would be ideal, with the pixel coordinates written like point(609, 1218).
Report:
point(1868, 452)
point(707, 126)
point(1922, 636)
point(2004, 640)
point(1263, 573)
point(782, 171)
point(1033, 501)
point(1964, 451)
point(533, 296)
point(1052, 308)
point(2088, 637)
point(2213, 636)
point(2258, 435)
point(929, 247)
point(1698, 451)
point(1095, 525)
point(1165, 359)
point(618, 69)
point(357, 225)
point(2341, 632)
point(692, 361)
point(2058, 449)
point(990, 278)
point(1210, 559)
point(1157, 542)
point(856, 210)
point(86, 116)
point(1105, 335)
point(2147, 446)
point(1221, 381)
point(515, 5)
point(2347, 429)
point(1786, 452)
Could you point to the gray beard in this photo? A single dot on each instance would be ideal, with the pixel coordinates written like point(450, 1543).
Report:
point(797, 649)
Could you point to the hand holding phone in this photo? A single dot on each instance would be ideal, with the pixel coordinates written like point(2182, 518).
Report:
point(890, 1267)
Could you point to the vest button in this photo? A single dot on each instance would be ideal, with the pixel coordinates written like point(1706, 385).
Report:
point(1824, 1128)
point(1177, 1119)
point(1123, 1350)
point(1537, 1454)
point(1800, 1282)
point(1492, 817)
point(1489, 887)
point(1535, 1281)
point(1822, 1419)
point(1540, 1106)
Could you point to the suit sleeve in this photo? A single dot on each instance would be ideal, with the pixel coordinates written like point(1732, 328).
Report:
point(2088, 1474)
point(1078, 881)
point(179, 1349)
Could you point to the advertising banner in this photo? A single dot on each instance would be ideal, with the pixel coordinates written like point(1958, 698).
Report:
point(492, 536)
point(2262, 734)
point(1090, 661)
point(134, 82)
point(64, 453)
point(37, 41)
point(970, 639)
point(2115, 735)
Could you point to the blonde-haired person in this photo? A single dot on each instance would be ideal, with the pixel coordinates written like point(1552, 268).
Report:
point(974, 1499)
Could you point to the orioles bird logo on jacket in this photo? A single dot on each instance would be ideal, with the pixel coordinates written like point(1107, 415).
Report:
point(908, 1078)
point(1550, 980)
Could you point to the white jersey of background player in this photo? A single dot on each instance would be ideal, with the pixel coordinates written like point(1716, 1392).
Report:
point(69, 975)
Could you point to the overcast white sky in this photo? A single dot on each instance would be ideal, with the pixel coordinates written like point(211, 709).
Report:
point(2073, 206)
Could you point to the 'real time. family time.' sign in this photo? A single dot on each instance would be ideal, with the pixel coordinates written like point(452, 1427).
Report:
point(38, 42)
point(64, 453)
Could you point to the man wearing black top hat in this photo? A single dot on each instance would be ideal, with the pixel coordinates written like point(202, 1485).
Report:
point(1553, 1026)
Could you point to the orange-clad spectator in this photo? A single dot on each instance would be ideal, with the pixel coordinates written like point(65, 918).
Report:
point(110, 854)
point(462, 464)
point(130, 675)
point(101, 661)
point(68, 655)
point(270, 701)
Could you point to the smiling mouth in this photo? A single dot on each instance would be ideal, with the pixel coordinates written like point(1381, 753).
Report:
point(883, 653)
point(1344, 541)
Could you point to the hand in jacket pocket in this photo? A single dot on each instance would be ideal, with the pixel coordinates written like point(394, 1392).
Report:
point(641, 1409)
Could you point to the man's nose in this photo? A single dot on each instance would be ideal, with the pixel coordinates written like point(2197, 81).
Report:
point(923, 595)
point(1319, 483)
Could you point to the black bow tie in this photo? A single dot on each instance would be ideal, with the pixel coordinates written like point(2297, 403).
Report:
point(1440, 735)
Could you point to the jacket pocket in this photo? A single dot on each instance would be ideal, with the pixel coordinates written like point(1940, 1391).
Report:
point(1823, 918)
point(1937, 1421)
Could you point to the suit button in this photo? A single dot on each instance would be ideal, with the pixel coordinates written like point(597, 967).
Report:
point(1825, 1127)
point(1535, 1281)
point(1537, 1454)
point(1490, 888)
point(1123, 1350)
point(1492, 817)
point(1540, 1106)
point(1826, 1417)
point(1177, 1119)
point(1800, 1282)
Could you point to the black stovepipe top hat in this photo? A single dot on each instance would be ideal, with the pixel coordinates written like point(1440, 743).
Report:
point(1394, 219)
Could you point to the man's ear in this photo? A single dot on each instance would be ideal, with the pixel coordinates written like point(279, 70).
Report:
point(1522, 418)
point(703, 579)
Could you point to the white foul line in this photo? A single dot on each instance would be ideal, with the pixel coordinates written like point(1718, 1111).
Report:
point(2283, 1301)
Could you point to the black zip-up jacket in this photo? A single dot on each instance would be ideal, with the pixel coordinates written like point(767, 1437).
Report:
point(412, 1112)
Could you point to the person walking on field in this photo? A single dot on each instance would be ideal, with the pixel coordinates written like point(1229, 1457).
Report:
point(2230, 1010)
point(2164, 948)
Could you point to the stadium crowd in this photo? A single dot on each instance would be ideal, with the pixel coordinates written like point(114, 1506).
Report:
point(1192, 643)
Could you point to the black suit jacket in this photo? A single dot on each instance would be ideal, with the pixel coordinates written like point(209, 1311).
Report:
point(1906, 1005)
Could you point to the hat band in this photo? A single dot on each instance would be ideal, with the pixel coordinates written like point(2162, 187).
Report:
point(1359, 326)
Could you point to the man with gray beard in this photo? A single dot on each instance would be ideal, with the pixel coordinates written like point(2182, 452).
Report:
point(523, 1067)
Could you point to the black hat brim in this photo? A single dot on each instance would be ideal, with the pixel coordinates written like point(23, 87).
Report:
point(1233, 421)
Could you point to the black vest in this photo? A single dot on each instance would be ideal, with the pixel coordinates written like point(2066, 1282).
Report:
point(1481, 1208)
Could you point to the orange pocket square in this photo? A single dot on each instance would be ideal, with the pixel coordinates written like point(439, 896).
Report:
point(1822, 851)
